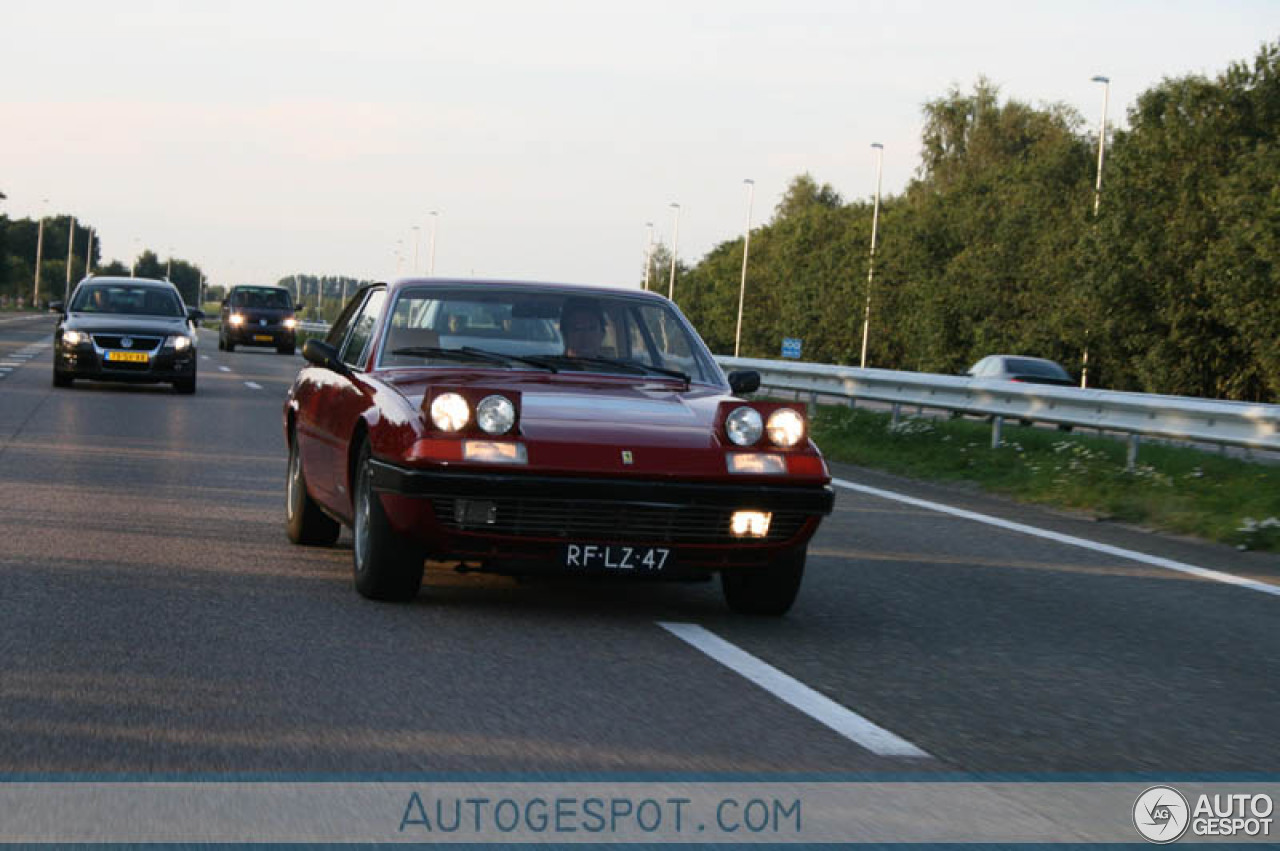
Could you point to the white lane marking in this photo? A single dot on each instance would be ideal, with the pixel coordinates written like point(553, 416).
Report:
point(11, 364)
point(225, 368)
point(1070, 540)
point(253, 385)
point(788, 689)
point(204, 357)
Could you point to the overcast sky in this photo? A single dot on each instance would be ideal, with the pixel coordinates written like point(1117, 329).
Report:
point(264, 138)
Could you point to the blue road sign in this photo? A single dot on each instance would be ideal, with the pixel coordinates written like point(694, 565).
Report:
point(791, 347)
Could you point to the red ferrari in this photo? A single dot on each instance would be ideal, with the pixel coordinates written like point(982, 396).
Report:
point(520, 428)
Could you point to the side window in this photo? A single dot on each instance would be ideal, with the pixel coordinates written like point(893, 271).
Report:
point(362, 328)
point(338, 330)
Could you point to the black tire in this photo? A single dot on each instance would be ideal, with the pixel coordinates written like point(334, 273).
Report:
point(285, 350)
point(385, 565)
point(230, 346)
point(185, 386)
point(304, 522)
point(765, 590)
point(61, 379)
point(222, 347)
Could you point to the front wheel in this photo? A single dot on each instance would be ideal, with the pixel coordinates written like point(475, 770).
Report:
point(61, 379)
point(765, 590)
point(305, 523)
point(386, 565)
point(185, 386)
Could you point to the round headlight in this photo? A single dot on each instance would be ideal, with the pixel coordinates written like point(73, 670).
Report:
point(450, 412)
point(236, 319)
point(495, 415)
point(744, 426)
point(290, 322)
point(786, 427)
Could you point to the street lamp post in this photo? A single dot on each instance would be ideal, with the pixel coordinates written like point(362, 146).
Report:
point(746, 248)
point(431, 267)
point(133, 267)
point(871, 262)
point(416, 231)
point(648, 252)
point(675, 244)
point(1097, 202)
point(168, 267)
point(88, 255)
point(71, 244)
point(35, 292)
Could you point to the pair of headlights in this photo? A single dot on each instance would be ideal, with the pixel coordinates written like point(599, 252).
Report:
point(494, 414)
point(177, 342)
point(745, 426)
point(238, 319)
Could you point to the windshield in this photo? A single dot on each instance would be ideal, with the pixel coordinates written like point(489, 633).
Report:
point(564, 331)
point(268, 298)
point(1038, 368)
point(130, 299)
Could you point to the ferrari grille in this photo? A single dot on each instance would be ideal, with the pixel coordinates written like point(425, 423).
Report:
point(610, 521)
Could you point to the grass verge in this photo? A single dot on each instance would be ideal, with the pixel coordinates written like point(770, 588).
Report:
point(1182, 490)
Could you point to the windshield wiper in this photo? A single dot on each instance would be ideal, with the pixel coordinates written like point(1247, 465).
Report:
point(636, 367)
point(469, 353)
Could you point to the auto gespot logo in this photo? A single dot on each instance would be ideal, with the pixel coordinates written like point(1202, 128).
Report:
point(1162, 815)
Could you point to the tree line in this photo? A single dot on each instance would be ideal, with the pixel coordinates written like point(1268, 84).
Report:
point(1172, 286)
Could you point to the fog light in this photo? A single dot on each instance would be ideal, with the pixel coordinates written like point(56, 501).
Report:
point(750, 524)
point(475, 512)
point(494, 451)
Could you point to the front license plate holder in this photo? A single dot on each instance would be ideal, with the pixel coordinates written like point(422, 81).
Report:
point(128, 357)
point(616, 558)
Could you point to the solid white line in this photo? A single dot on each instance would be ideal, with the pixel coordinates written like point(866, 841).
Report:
point(10, 364)
point(204, 357)
point(225, 368)
point(1070, 540)
point(253, 385)
point(788, 689)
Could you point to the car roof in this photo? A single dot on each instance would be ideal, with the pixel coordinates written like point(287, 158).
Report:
point(259, 287)
point(131, 282)
point(533, 286)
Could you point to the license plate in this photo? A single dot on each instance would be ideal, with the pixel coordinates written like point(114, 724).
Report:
point(129, 357)
point(263, 338)
point(616, 557)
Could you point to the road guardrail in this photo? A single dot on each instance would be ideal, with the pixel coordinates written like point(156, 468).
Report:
point(1243, 424)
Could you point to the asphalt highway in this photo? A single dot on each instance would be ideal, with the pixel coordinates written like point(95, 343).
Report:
point(154, 618)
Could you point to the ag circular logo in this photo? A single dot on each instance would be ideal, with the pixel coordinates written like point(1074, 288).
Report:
point(1161, 814)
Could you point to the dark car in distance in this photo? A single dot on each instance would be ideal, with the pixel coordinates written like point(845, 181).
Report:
point(1021, 368)
point(259, 316)
point(522, 428)
point(125, 329)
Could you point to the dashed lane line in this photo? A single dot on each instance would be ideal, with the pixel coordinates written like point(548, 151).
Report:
point(788, 689)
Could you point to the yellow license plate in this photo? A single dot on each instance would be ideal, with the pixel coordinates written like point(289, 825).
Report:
point(263, 338)
point(129, 357)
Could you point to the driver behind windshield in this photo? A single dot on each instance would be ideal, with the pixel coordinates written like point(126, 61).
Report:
point(582, 328)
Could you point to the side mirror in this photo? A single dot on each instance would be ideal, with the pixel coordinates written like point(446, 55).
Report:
point(195, 314)
point(744, 381)
point(321, 354)
point(299, 307)
point(56, 307)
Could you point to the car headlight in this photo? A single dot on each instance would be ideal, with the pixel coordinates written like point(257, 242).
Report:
point(495, 415)
point(291, 323)
point(236, 319)
point(744, 426)
point(178, 343)
point(450, 412)
point(786, 427)
point(74, 338)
